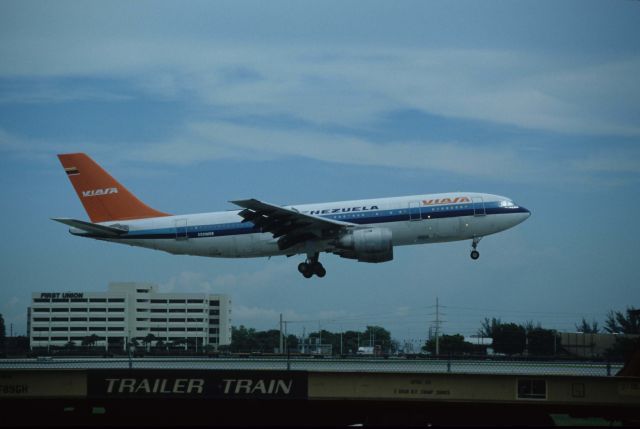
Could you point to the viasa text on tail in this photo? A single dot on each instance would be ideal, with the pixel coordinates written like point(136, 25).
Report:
point(364, 230)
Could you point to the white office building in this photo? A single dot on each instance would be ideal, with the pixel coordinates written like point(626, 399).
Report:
point(130, 311)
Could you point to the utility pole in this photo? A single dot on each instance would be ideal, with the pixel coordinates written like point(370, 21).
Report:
point(304, 332)
point(281, 346)
point(437, 327)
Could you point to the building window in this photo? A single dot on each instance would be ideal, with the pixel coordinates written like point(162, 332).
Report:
point(142, 300)
point(142, 310)
point(158, 320)
point(78, 300)
point(97, 310)
point(60, 300)
point(213, 330)
point(36, 329)
point(116, 328)
point(176, 329)
point(97, 319)
point(78, 328)
point(40, 310)
point(158, 329)
point(116, 319)
point(158, 310)
point(142, 290)
point(158, 301)
point(78, 319)
point(194, 310)
point(116, 299)
point(79, 309)
point(60, 328)
point(40, 319)
point(142, 319)
point(176, 310)
point(532, 389)
point(97, 328)
point(176, 301)
point(97, 299)
point(214, 312)
point(194, 329)
point(116, 310)
point(60, 310)
point(214, 321)
point(195, 301)
point(215, 303)
point(59, 319)
point(59, 338)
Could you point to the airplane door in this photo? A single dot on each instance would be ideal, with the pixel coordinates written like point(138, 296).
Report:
point(181, 229)
point(415, 212)
point(478, 206)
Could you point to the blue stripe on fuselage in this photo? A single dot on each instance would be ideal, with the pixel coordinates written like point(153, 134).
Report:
point(360, 218)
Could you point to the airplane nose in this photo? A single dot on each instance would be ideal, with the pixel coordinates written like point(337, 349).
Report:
point(524, 214)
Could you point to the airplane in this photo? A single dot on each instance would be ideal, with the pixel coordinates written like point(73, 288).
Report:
point(363, 230)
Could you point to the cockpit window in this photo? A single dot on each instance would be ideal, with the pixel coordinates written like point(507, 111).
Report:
point(508, 204)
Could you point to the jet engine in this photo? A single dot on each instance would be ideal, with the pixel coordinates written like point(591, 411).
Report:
point(366, 245)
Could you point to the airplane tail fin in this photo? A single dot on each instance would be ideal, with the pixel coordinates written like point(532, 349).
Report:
point(102, 196)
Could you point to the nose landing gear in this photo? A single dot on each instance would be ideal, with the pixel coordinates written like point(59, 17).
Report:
point(311, 266)
point(474, 244)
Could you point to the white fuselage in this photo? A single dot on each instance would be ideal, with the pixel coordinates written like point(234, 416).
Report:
point(417, 219)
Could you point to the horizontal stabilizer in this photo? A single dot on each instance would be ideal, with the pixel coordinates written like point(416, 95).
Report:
point(92, 228)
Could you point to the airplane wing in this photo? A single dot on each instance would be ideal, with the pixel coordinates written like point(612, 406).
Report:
point(289, 226)
point(92, 228)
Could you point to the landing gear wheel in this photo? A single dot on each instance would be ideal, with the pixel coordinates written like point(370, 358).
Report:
point(475, 254)
point(303, 267)
point(311, 266)
point(319, 270)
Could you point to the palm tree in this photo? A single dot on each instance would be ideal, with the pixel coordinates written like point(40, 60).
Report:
point(587, 328)
point(90, 340)
point(619, 323)
point(148, 340)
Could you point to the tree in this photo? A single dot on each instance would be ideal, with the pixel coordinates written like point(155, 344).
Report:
point(450, 344)
point(89, 341)
point(242, 339)
point(380, 336)
point(150, 338)
point(488, 327)
point(529, 326)
point(587, 328)
point(619, 323)
point(541, 342)
point(509, 338)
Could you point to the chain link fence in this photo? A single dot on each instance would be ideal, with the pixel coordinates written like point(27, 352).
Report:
point(368, 364)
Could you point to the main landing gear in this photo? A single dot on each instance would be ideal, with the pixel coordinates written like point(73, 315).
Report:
point(474, 253)
point(311, 266)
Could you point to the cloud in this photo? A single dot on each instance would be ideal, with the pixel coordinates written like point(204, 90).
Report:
point(219, 140)
point(346, 84)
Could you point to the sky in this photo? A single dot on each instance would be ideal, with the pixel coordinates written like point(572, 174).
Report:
point(193, 104)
